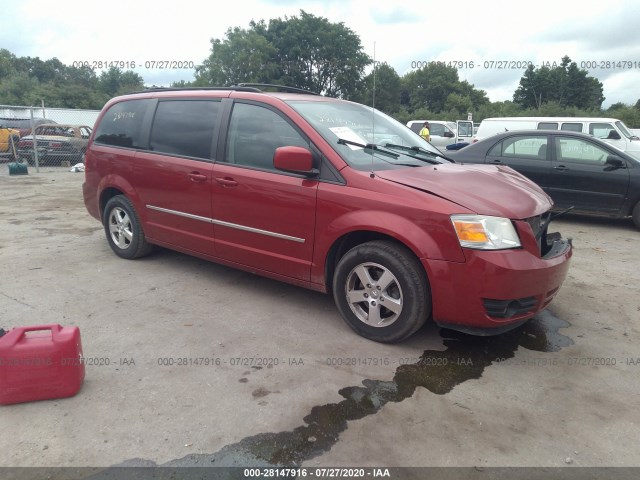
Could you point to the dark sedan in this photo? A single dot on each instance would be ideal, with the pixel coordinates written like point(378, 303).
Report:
point(575, 169)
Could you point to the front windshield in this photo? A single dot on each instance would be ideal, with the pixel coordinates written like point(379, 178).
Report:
point(625, 131)
point(356, 126)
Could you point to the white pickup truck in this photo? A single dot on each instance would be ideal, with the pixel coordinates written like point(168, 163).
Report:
point(445, 133)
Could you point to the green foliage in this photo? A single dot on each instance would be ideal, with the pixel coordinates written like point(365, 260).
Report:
point(310, 52)
point(182, 84)
point(438, 88)
point(244, 56)
point(629, 114)
point(388, 89)
point(31, 81)
point(564, 84)
point(114, 82)
point(18, 88)
point(307, 52)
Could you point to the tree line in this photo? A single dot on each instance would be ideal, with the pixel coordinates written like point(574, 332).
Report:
point(314, 54)
point(30, 80)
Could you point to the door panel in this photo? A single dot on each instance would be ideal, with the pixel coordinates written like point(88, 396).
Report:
point(176, 194)
point(173, 177)
point(527, 154)
point(464, 129)
point(263, 218)
point(581, 179)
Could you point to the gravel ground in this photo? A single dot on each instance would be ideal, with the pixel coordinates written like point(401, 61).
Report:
point(287, 382)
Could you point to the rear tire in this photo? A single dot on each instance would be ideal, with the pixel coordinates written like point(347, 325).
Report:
point(123, 229)
point(636, 215)
point(381, 291)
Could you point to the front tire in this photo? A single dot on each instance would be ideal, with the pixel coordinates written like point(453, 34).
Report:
point(123, 229)
point(381, 291)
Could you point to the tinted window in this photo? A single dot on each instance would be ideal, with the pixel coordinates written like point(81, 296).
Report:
point(121, 124)
point(572, 127)
point(522, 146)
point(184, 127)
point(580, 151)
point(547, 126)
point(255, 133)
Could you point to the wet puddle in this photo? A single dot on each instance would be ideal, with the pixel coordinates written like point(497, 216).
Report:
point(464, 358)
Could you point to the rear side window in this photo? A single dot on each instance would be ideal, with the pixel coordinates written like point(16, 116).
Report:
point(122, 123)
point(572, 127)
point(521, 147)
point(547, 126)
point(184, 127)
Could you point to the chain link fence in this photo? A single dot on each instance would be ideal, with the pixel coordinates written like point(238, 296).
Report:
point(44, 137)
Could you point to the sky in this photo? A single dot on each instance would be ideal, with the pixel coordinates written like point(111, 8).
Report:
point(499, 37)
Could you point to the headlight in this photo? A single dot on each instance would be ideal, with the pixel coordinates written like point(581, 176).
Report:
point(485, 233)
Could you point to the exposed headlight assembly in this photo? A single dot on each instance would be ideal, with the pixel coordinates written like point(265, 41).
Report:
point(485, 233)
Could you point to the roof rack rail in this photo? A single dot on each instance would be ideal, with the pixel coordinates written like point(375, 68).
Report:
point(281, 88)
point(180, 89)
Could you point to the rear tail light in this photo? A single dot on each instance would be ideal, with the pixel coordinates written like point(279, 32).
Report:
point(55, 145)
point(25, 144)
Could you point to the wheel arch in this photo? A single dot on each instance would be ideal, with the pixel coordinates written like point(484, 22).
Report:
point(113, 185)
point(106, 195)
point(352, 239)
point(430, 237)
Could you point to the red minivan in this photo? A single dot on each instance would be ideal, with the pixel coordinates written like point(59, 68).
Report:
point(329, 195)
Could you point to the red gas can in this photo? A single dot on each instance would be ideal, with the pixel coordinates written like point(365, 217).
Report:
point(39, 363)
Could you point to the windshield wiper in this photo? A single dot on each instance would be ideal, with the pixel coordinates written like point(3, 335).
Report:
point(419, 150)
point(369, 146)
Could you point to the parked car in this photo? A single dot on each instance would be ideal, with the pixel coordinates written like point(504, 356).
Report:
point(56, 143)
point(9, 139)
point(446, 134)
point(611, 130)
point(298, 188)
point(23, 125)
point(575, 169)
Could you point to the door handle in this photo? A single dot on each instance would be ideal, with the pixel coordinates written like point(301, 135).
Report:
point(496, 161)
point(226, 182)
point(197, 177)
point(562, 168)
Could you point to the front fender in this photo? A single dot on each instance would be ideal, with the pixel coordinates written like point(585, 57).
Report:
point(428, 238)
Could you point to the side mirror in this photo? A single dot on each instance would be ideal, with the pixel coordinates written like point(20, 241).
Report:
point(613, 135)
point(449, 134)
point(295, 160)
point(613, 162)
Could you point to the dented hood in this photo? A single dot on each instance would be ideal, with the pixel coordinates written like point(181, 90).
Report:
point(492, 190)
